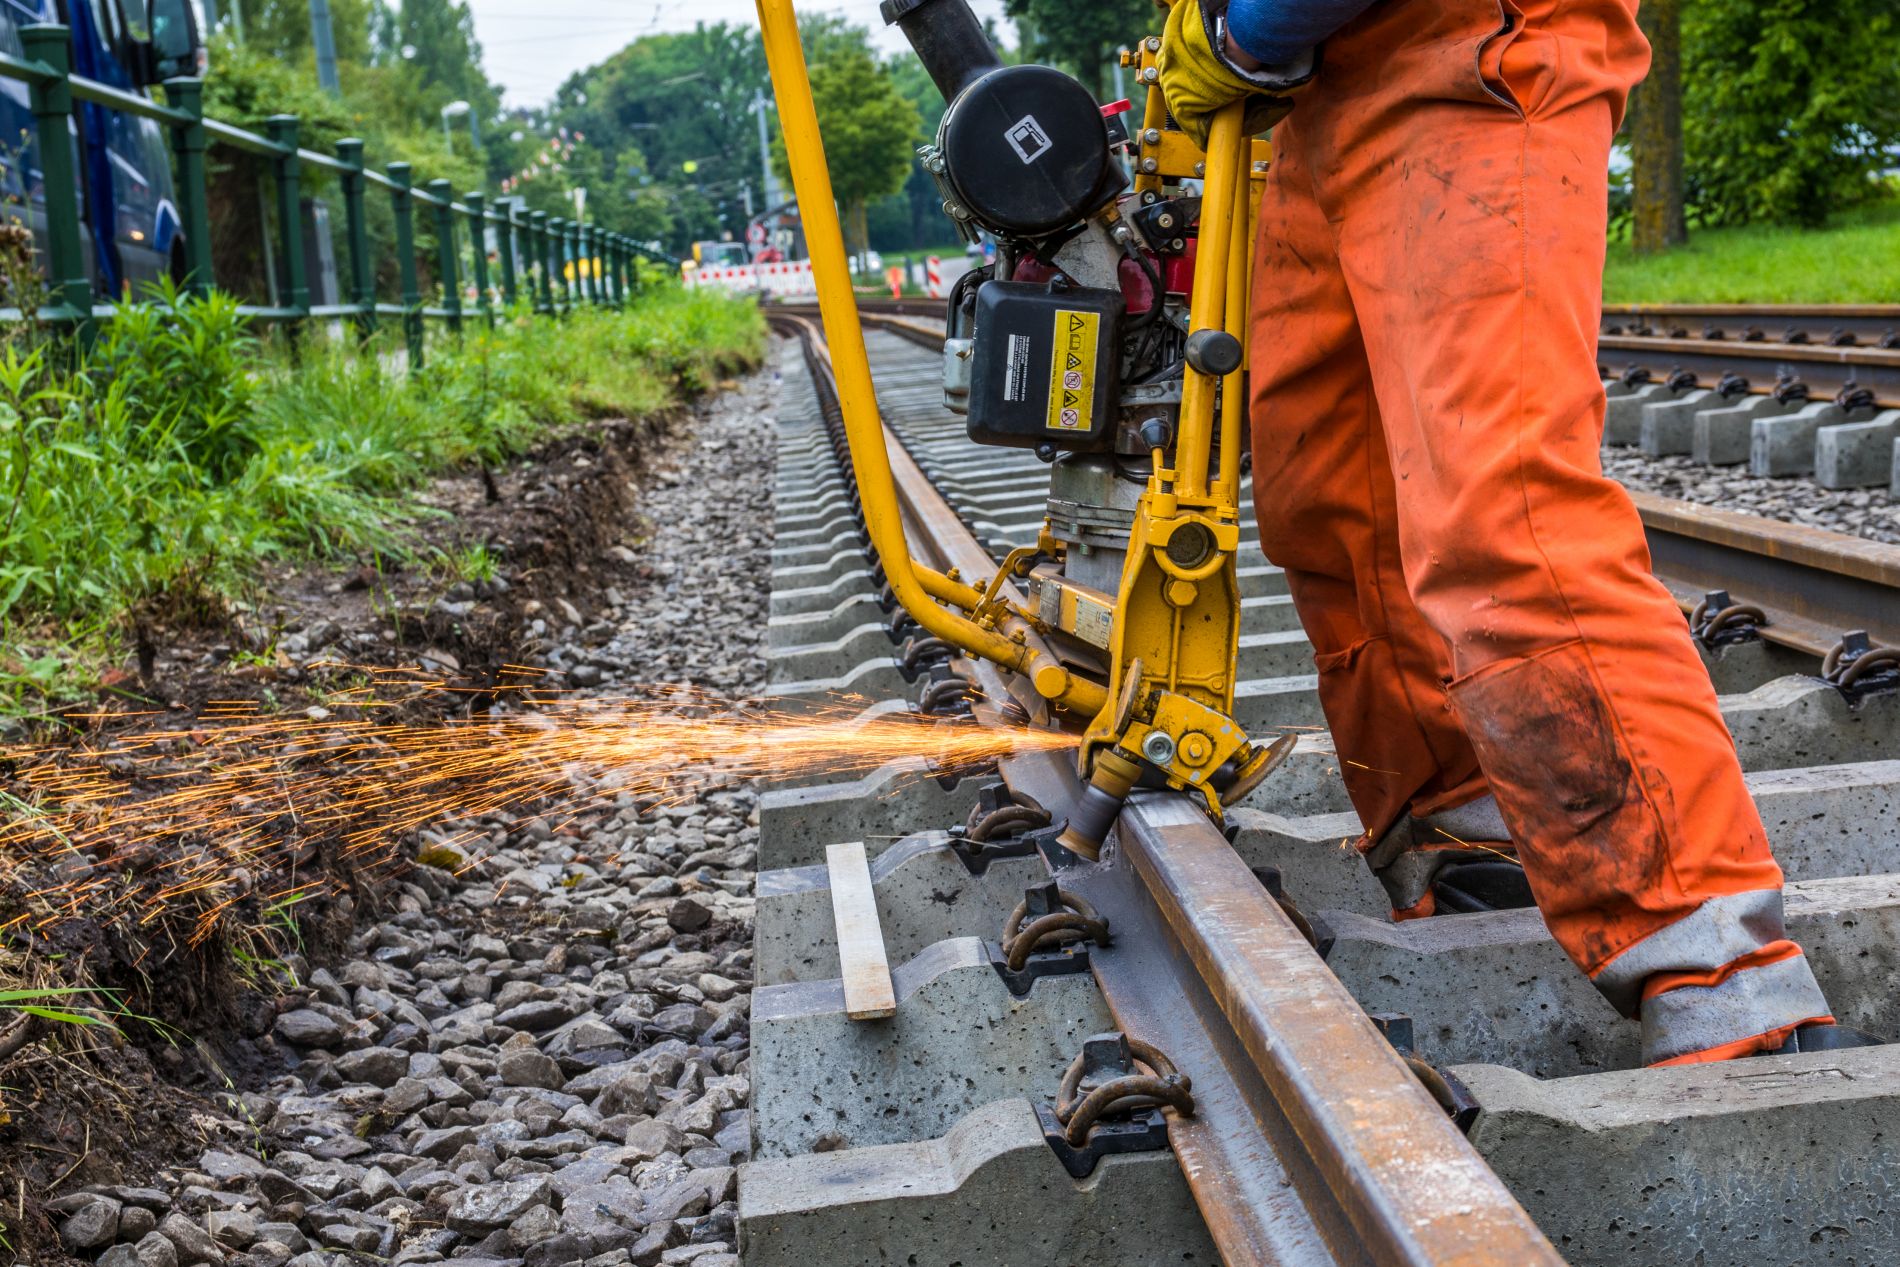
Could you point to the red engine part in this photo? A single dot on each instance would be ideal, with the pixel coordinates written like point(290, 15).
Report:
point(1177, 271)
point(1137, 292)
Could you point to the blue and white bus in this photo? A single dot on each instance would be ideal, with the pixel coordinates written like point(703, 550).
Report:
point(131, 228)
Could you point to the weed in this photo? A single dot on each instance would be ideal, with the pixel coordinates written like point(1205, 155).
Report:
point(183, 453)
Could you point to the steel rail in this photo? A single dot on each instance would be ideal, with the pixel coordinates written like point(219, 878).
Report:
point(1815, 585)
point(1866, 322)
point(1311, 1143)
point(1825, 369)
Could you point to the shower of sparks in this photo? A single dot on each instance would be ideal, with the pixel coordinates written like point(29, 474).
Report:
point(155, 822)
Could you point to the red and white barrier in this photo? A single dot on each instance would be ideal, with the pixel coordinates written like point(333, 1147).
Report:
point(933, 276)
point(788, 277)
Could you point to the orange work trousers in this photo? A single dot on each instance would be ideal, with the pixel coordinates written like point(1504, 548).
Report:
point(1427, 418)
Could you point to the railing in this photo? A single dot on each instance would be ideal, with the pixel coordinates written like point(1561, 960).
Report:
point(553, 263)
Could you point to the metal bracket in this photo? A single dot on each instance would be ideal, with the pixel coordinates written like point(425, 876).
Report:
point(1452, 1095)
point(1063, 961)
point(1107, 1065)
point(1720, 621)
point(1859, 668)
point(1145, 1132)
point(1048, 934)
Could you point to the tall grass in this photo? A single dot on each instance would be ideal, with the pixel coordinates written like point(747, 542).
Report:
point(182, 449)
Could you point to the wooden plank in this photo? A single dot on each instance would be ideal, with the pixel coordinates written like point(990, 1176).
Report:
point(868, 992)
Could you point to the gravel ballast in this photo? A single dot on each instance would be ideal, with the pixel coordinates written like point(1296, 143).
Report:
point(542, 1060)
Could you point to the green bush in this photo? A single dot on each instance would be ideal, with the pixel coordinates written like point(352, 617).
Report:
point(182, 451)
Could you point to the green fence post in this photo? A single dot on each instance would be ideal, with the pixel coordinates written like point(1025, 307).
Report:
point(505, 240)
point(478, 250)
point(576, 284)
point(576, 246)
point(405, 208)
point(448, 264)
point(583, 263)
point(591, 247)
point(52, 102)
point(610, 263)
point(356, 237)
point(623, 255)
point(188, 146)
point(282, 129)
point(557, 252)
point(538, 253)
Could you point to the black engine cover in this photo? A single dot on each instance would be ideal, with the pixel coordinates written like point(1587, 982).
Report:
point(1046, 366)
point(1027, 151)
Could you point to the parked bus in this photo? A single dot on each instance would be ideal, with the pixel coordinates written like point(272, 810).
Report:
point(131, 229)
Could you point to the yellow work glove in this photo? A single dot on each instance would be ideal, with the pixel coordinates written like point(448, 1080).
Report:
point(1197, 78)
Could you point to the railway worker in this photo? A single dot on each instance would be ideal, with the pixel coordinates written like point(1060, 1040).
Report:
point(1495, 660)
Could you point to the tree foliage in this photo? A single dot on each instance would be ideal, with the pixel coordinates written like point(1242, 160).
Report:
point(1083, 38)
point(870, 132)
point(1789, 105)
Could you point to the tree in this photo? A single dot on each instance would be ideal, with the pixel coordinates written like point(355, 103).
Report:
point(869, 131)
point(434, 42)
point(1083, 38)
point(1789, 105)
point(657, 105)
point(1659, 220)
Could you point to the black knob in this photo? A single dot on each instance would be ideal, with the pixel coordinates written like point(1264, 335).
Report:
point(1213, 352)
point(1156, 433)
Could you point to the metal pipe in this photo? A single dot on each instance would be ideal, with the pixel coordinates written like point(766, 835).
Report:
point(1233, 414)
point(1226, 141)
point(857, 399)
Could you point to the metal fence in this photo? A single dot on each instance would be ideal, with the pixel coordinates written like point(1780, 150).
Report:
point(552, 262)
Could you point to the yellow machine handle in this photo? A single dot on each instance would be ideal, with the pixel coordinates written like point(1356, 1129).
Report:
point(913, 584)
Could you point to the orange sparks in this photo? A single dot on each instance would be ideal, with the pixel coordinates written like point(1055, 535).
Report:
point(197, 819)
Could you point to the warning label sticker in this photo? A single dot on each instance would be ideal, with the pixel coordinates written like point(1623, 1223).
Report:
point(1072, 371)
point(1016, 368)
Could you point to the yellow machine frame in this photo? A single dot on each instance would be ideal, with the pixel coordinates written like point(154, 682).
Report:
point(1174, 636)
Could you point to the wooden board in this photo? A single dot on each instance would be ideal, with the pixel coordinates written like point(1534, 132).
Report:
point(868, 992)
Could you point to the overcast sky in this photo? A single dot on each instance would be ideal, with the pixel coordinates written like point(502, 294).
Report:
point(530, 47)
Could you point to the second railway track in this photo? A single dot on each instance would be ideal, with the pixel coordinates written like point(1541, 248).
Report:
point(1433, 1092)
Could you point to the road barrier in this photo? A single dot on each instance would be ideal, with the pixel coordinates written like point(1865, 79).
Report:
point(555, 263)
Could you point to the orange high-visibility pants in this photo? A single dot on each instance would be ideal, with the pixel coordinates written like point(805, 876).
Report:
point(1426, 423)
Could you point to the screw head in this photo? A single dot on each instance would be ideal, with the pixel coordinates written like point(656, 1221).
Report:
point(1158, 747)
point(1200, 169)
point(1154, 43)
point(1149, 74)
point(1151, 136)
point(1150, 165)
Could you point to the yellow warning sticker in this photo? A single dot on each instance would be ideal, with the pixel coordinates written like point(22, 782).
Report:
point(1072, 371)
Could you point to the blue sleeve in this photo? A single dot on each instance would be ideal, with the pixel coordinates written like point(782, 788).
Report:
point(1277, 31)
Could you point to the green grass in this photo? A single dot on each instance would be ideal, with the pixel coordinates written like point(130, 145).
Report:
point(183, 454)
point(1854, 259)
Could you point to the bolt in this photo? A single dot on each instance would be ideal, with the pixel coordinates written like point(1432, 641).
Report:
point(1154, 43)
point(1158, 748)
point(1165, 220)
point(1200, 169)
point(1151, 137)
point(1149, 74)
point(1179, 244)
point(1149, 165)
point(1196, 748)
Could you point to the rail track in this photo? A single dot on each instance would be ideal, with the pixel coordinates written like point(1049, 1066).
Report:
point(1448, 1090)
point(1813, 403)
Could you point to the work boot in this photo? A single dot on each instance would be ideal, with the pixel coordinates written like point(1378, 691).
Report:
point(1454, 861)
point(1824, 1036)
